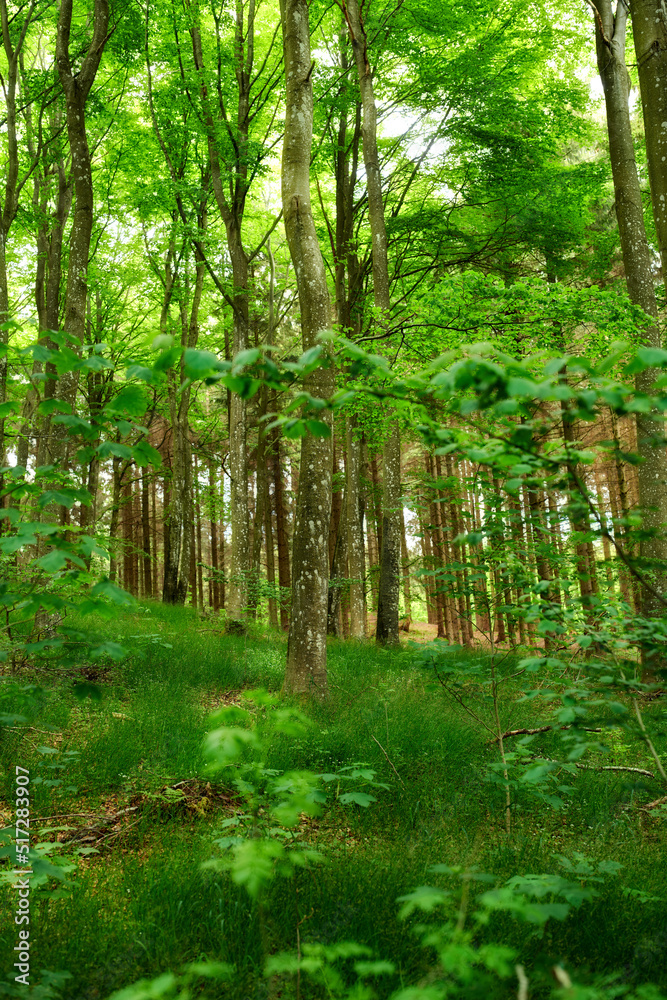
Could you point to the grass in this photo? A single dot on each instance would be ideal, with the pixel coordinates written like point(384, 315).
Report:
point(143, 904)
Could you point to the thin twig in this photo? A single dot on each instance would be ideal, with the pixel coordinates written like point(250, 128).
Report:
point(655, 803)
point(540, 729)
point(388, 760)
point(43, 819)
point(647, 740)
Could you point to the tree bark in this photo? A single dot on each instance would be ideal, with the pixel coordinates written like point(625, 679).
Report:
point(76, 86)
point(231, 201)
point(649, 24)
point(146, 535)
point(390, 557)
point(649, 29)
point(282, 537)
point(12, 50)
point(306, 671)
point(355, 533)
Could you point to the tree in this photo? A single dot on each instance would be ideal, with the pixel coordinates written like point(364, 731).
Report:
point(307, 652)
point(390, 556)
point(649, 30)
point(610, 32)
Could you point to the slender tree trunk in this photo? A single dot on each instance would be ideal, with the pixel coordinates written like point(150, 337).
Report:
point(437, 549)
point(197, 521)
point(270, 565)
point(117, 479)
point(355, 532)
point(282, 539)
point(146, 535)
point(9, 207)
point(649, 28)
point(231, 200)
point(259, 520)
point(405, 558)
point(338, 564)
point(306, 671)
point(649, 25)
point(156, 564)
point(390, 556)
point(213, 518)
point(76, 87)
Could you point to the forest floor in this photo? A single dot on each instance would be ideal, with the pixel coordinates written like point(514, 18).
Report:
point(120, 772)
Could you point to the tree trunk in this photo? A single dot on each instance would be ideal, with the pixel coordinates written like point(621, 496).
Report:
point(282, 539)
point(649, 24)
point(306, 671)
point(233, 158)
point(270, 565)
point(390, 556)
point(146, 536)
point(213, 518)
point(76, 88)
point(649, 28)
point(355, 532)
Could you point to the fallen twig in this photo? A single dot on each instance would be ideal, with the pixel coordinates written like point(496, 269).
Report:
point(93, 830)
point(388, 760)
point(613, 767)
point(653, 805)
point(25, 729)
point(540, 729)
point(43, 819)
point(605, 767)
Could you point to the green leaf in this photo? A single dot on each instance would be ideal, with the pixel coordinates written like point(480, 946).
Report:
point(111, 649)
point(318, 428)
point(53, 561)
point(131, 400)
point(362, 799)
point(167, 359)
point(49, 406)
point(243, 385)
point(108, 448)
point(145, 454)
point(245, 358)
point(143, 373)
point(105, 588)
point(201, 363)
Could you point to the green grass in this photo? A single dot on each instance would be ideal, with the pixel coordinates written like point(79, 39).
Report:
point(144, 905)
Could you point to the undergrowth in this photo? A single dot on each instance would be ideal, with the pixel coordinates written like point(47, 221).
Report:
point(112, 736)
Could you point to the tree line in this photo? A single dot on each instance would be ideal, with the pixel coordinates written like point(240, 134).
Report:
point(326, 199)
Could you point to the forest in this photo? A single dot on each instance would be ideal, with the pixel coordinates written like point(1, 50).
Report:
point(333, 499)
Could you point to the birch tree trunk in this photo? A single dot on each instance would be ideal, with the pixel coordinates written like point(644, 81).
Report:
point(306, 671)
